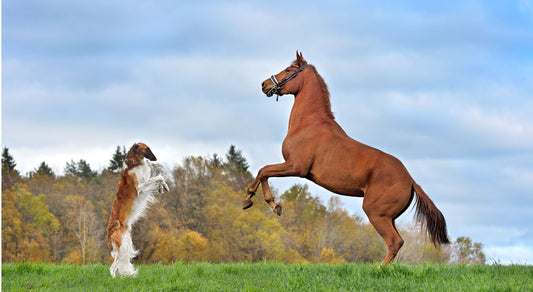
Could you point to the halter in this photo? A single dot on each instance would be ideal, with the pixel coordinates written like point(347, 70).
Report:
point(277, 85)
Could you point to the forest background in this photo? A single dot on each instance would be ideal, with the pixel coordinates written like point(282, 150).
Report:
point(62, 219)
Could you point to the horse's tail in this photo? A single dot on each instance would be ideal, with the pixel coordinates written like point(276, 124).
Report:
point(430, 217)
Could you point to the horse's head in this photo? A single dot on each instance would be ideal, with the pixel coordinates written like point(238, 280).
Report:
point(271, 86)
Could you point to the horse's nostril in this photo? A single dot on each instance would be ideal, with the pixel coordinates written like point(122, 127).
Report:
point(263, 84)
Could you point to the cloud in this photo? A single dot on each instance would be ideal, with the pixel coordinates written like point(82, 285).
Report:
point(514, 255)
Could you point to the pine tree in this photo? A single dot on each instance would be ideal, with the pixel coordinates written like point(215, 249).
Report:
point(43, 169)
point(7, 160)
point(10, 176)
point(216, 161)
point(80, 169)
point(235, 158)
point(236, 169)
point(116, 162)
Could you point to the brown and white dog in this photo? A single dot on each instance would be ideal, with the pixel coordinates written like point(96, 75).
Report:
point(136, 190)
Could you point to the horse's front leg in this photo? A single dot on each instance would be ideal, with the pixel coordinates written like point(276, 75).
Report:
point(269, 198)
point(247, 203)
point(274, 170)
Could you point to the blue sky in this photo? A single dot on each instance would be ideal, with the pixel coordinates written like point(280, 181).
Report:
point(446, 87)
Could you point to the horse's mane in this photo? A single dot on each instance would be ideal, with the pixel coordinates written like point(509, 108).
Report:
point(325, 93)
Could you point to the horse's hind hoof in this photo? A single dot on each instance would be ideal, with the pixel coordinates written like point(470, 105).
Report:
point(247, 204)
point(277, 210)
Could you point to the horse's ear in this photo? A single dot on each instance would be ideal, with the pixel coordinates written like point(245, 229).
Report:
point(300, 59)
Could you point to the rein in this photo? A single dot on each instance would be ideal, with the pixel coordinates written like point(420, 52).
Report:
point(277, 85)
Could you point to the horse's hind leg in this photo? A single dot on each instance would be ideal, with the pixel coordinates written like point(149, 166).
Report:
point(386, 228)
point(381, 213)
point(382, 209)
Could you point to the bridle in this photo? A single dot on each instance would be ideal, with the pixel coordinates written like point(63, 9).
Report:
point(277, 85)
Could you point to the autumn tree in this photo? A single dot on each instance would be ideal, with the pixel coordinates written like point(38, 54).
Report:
point(188, 196)
point(259, 236)
point(11, 227)
point(27, 226)
point(302, 217)
point(157, 234)
point(337, 233)
point(466, 251)
point(204, 193)
point(86, 230)
point(418, 248)
point(191, 246)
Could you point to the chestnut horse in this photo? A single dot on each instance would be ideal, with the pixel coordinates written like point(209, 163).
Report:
point(318, 149)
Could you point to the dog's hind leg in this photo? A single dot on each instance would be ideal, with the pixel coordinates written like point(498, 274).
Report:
point(125, 254)
point(114, 266)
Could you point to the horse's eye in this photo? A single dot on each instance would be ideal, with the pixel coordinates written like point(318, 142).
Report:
point(287, 70)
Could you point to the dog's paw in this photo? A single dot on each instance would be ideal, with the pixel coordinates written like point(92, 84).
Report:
point(163, 187)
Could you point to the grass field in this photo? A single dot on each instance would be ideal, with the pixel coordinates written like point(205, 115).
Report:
point(269, 277)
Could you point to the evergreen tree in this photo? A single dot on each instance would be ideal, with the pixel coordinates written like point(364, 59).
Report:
point(117, 161)
point(236, 169)
point(43, 169)
point(216, 161)
point(80, 169)
point(7, 160)
point(10, 175)
point(236, 159)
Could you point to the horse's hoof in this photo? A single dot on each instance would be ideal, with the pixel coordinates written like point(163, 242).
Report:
point(277, 210)
point(247, 204)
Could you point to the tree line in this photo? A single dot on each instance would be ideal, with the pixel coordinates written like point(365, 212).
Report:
point(62, 219)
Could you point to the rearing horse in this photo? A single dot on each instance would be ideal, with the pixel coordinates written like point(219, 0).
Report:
point(318, 149)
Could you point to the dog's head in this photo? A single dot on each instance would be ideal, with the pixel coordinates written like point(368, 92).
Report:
point(137, 152)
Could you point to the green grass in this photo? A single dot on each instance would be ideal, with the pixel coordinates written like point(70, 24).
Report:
point(269, 277)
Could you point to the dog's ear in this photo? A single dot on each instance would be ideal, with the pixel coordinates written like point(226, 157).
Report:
point(135, 148)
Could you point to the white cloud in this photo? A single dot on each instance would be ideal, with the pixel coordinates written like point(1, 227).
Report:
point(509, 255)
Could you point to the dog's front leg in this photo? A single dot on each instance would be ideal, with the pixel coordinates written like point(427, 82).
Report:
point(153, 186)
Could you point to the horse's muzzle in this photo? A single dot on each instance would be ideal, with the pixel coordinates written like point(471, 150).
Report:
point(267, 87)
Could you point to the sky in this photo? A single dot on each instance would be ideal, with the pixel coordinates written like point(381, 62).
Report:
point(445, 86)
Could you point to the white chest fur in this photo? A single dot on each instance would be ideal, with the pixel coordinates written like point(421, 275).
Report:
point(142, 172)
